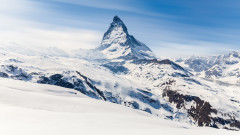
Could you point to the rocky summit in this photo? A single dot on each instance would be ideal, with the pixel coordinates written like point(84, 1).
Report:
point(118, 44)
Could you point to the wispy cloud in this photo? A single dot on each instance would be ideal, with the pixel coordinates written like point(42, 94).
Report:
point(121, 5)
point(23, 32)
point(104, 4)
point(15, 28)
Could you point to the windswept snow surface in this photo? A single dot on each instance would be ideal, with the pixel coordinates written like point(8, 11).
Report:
point(36, 109)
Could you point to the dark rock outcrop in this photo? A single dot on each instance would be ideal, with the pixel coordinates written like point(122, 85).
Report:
point(201, 111)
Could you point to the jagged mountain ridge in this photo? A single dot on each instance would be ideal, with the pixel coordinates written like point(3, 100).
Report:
point(222, 68)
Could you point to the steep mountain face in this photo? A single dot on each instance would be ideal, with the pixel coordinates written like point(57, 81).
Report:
point(118, 44)
point(132, 77)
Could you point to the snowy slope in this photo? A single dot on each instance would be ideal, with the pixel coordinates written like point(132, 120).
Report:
point(141, 86)
point(28, 108)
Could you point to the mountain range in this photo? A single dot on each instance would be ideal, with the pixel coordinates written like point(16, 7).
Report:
point(201, 91)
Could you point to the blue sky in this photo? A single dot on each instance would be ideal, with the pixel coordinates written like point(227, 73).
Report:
point(174, 28)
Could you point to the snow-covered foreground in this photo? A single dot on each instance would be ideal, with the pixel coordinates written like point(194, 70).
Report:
point(36, 109)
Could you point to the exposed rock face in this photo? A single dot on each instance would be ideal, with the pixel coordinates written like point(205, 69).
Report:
point(200, 110)
point(14, 72)
point(87, 80)
point(118, 44)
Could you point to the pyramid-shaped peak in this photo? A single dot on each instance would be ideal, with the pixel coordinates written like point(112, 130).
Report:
point(117, 25)
point(117, 22)
point(118, 44)
point(117, 19)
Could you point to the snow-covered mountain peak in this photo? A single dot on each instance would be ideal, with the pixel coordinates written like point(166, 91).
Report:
point(117, 43)
point(235, 54)
point(116, 19)
point(117, 23)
